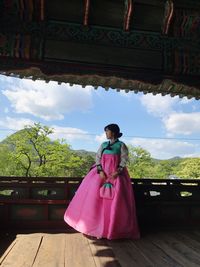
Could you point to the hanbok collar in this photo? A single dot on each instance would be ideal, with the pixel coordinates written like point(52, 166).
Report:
point(112, 141)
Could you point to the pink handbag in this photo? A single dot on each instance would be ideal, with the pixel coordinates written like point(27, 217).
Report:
point(107, 190)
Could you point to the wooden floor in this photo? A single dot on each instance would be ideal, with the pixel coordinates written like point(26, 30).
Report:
point(180, 248)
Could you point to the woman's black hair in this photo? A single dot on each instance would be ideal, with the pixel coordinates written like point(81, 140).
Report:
point(114, 128)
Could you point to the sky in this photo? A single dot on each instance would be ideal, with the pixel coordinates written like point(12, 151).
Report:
point(165, 126)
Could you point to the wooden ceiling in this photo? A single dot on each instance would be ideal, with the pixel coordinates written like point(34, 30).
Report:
point(133, 45)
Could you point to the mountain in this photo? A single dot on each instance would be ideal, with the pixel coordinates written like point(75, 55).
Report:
point(83, 152)
point(171, 159)
point(80, 152)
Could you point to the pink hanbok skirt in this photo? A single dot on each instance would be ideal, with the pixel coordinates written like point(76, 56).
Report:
point(94, 215)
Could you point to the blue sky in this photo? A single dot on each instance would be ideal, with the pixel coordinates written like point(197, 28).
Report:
point(164, 126)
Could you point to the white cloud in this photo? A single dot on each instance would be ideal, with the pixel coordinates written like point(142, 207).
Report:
point(101, 138)
point(15, 124)
point(185, 100)
point(165, 149)
point(183, 123)
point(49, 101)
point(68, 133)
point(158, 105)
point(169, 110)
point(125, 94)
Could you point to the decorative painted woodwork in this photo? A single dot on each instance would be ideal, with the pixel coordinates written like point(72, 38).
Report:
point(132, 45)
point(20, 46)
point(41, 202)
point(29, 10)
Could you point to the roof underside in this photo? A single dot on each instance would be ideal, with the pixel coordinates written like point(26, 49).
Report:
point(150, 46)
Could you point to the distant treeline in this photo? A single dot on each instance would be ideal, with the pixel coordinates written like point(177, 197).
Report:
point(30, 152)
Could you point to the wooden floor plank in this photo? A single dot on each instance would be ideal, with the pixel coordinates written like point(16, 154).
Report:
point(166, 249)
point(7, 251)
point(51, 252)
point(156, 255)
point(23, 252)
point(102, 253)
point(128, 254)
point(176, 249)
point(6, 239)
point(77, 251)
point(189, 239)
point(196, 235)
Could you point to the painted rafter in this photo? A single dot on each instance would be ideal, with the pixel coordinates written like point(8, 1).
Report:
point(128, 14)
point(86, 12)
point(168, 15)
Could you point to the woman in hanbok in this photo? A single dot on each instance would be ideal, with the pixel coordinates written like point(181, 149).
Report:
point(104, 204)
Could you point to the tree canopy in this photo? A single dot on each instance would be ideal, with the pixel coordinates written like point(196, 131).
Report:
point(30, 152)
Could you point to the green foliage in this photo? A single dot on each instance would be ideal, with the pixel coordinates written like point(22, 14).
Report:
point(140, 162)
point(189, 168)
point(165, 168)
point(5, 157)
point(30, 152)
point(141, 165)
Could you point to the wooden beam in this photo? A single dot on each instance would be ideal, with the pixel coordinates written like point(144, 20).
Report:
point(128, 13)
point(86, 12)
point(169, 12)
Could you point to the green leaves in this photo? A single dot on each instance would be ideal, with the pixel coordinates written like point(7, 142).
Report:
point(142, 165)
point(140, 162)
point(30, 152)
point(189, 168)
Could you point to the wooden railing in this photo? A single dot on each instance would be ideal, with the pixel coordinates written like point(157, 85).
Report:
point(41, 202)
point(168, 203)
point(35, 202)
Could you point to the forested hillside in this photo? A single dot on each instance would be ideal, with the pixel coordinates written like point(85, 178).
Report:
point(30, 152)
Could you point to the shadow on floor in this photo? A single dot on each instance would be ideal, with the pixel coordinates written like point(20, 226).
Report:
point(6, 239)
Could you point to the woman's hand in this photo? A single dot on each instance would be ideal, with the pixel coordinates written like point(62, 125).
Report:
point(102, 175)
point(114, 174)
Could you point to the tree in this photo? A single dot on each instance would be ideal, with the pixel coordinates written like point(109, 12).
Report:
point(189, 168)
point(29, 148)
point(5, 156)
point(165, 168)
point(140, 162)
point(33, 153)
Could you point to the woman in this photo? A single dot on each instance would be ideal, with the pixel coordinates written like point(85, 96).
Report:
point(104, 205)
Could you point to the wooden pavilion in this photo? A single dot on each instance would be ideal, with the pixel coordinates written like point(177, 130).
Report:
point(132, 45)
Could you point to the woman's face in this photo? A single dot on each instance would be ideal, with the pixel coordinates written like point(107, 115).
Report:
point(109, 134)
